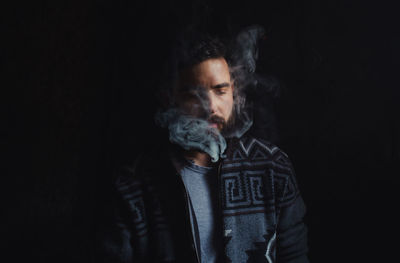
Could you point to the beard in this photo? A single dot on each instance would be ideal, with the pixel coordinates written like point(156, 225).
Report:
point(238, 123)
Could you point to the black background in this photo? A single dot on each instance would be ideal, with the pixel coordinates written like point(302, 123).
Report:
point(79, 78)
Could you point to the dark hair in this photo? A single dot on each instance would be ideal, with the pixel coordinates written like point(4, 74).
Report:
point(194, 49)
point(189, 48)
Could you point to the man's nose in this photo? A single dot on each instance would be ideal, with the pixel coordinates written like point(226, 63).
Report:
point(212, 103)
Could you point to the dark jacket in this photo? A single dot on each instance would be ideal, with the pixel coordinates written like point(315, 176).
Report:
point(261, 209)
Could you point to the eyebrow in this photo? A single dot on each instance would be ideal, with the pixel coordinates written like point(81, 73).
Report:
point(222, 85)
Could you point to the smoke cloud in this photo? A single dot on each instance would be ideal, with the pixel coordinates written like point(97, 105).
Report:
point(192, 133)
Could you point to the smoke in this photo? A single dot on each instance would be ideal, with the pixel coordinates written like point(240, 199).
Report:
point(243, 51)
point(195, 132)
point(192, 133)
point(244, 48)
point(261, 90)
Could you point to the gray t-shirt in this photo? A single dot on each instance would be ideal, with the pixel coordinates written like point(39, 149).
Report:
point(201, 185)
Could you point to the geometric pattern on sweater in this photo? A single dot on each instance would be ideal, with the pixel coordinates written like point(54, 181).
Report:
point(131, 192)
point(144, 207)
point(248, 174)
point(257, 181)
point(134, 193)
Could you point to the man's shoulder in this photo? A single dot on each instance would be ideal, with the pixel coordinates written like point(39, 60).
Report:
point(144, 167)
point(251, 157)
point(257, 149)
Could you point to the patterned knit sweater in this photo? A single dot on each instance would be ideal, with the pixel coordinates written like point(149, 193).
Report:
point(260, 207)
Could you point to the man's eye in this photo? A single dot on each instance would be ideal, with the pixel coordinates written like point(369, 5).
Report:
point(220, 91)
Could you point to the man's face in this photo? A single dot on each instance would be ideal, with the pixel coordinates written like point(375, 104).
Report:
point(205, 91)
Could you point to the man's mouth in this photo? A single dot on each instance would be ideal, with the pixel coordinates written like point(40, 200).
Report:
point(214, 125)
point(216, 122)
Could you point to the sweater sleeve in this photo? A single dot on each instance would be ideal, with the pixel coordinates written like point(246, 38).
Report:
point(116, 242)
point(291, 231)
point(114, 238)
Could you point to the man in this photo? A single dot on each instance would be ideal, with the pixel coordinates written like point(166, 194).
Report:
point(208, 192)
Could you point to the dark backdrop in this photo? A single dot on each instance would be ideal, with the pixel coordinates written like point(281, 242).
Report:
point(79, 78)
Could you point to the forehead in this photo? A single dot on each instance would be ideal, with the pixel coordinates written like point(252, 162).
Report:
point(207, 73)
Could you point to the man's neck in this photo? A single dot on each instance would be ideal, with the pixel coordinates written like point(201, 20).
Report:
point(198, 158)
